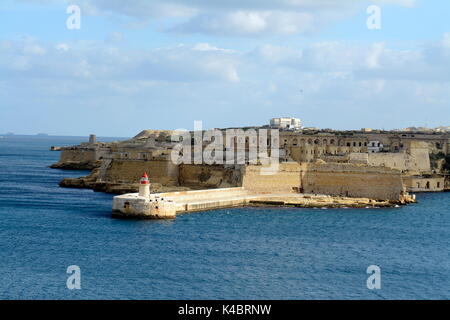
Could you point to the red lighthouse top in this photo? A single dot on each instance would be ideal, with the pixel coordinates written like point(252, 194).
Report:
point(144, 179)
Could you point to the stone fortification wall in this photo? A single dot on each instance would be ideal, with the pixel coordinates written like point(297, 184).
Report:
point(424, 183)
point(209, 176)
point(353, 180)
point(415, 161)
point(421, 155)
point(166, 173)
point(126, 171)
point(400, 161)
point(82, 154)
point(287, 179)
point(77, 155)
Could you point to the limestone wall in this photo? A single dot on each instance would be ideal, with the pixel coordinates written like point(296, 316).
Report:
point(129, 171)
point(135, 206)
point(287, 179)
point(353, 180)
point(424, 184)
point(77, 155)
point(420, 153)
point(209, 176)
point(168, 174)
point(359, 158)
point(82, 154)
point(400, 161)
point(416, 163)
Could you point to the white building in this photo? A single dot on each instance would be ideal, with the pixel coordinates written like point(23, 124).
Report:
point(374, 146)
point(286, 123)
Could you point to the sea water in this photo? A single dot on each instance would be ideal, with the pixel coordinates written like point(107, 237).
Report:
point(243, 253)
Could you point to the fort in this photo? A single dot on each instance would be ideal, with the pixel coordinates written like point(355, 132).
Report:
point(281, 189)
point(316, 168)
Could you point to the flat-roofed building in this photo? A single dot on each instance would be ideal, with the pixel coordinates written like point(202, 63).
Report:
point(286, 123)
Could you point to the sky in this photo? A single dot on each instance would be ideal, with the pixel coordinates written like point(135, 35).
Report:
point(162, 64)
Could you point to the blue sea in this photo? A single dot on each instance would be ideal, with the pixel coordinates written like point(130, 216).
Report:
point(246, 253)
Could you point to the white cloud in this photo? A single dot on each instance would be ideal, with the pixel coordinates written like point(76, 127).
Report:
point(62, 47)
point(234, 17)
point(374, 55)
point(206, 62)
point(446, 40)
point(96, 61)
point(403, 3)
point(208, 47)
point(245, 23)
point(370, 82)
point(33, 49)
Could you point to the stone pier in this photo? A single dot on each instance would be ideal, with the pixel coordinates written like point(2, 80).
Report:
point(168, 205)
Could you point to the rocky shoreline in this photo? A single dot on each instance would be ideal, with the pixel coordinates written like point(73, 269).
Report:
point(91, 182)
point(75, 165)
point(334, 204)
point(309, 201)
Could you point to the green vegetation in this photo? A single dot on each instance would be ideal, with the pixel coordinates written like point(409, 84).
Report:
point(446, 165)
point(435, 158)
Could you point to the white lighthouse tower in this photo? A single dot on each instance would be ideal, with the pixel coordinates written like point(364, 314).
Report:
point(144, 186)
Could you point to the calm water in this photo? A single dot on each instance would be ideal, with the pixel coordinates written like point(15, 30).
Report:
point(230, 254)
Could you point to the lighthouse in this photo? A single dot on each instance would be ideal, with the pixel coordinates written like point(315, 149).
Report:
point(144, 186)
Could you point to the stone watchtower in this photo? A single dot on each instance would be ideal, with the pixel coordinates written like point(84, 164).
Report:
point(92, 139)
point(144, 186)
